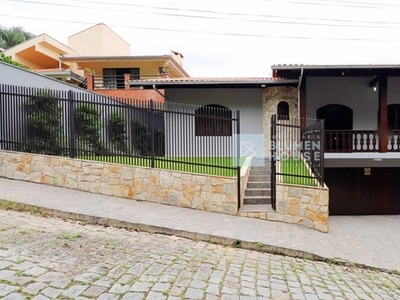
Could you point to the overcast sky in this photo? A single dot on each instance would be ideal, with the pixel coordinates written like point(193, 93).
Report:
point(228, 37)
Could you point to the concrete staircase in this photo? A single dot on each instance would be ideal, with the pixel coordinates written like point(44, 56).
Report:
point(258, 189)
point(257, 197)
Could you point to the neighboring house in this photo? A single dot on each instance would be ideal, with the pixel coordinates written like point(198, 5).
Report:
point(360, 105)
point(108, 74)
point(42, 55)
point(100, 52)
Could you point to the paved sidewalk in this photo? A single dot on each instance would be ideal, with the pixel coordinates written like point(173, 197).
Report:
point(367, 240)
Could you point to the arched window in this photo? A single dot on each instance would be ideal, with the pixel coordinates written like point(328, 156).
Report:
point(283, 110)
point(213, 120)
point(393, 111)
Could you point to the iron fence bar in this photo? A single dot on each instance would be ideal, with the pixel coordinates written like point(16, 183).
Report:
point(287, 125)
point(299, 175)
point(72, 132)
point(322, 151)
point(2, 112)
point(152, 132)
point(237, 141)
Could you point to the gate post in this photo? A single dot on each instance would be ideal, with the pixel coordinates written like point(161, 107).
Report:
point(273, 161)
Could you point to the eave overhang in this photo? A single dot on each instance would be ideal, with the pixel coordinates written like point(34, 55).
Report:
point(294, 71)
point(203, 83)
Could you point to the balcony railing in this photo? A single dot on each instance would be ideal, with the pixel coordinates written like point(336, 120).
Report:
point(359, 141)
point(118, 81)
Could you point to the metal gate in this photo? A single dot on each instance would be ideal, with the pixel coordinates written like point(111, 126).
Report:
point(297, 152)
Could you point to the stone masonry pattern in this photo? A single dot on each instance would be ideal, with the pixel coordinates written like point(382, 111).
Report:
point(308, 206)
point(48, 258)
point(204, 192)
point(271, 98)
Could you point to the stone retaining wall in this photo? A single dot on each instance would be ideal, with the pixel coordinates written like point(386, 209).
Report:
point(307, 206)
point(204, 192)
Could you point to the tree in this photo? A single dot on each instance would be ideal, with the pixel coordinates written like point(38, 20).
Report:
point(9, 37)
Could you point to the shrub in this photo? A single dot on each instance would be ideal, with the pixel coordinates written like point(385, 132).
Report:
point(45, 128)
point(117, 132)
point(87, 125)
point(140, 138)
point(8, 60)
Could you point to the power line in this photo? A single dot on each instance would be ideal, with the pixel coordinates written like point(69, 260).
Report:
point(233, 34)
point(242, 17)
point(349, 4)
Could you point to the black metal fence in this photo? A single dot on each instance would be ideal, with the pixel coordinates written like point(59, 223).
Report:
point(127, 131)
point(297, 152)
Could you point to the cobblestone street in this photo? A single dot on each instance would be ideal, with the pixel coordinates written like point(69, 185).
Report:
point(49, 258)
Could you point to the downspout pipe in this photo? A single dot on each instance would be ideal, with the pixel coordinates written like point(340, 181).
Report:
point(158, 92)
point(298, 90)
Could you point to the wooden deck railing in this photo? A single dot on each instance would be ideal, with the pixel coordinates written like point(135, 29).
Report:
point(359, 141)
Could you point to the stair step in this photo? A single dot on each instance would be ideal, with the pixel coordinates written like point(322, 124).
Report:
point(256, 200)
point(261, 168)
point(259, 172)
point(258, 185)
point(259, 178)
point(260, 162)
point(256, 208)
point(257, 192)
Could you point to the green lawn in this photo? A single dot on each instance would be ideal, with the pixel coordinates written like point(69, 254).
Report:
point(296, 167)
point(220, 166)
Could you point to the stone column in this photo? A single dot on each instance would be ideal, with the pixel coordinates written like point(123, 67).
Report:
point(270, 100)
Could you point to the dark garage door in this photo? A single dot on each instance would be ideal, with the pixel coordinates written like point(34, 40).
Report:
point(353, 192)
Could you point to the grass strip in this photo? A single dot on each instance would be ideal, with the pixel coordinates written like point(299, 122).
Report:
point(219, 166)
point(293, 170)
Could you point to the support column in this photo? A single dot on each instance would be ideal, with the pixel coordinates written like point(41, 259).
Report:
point(383, 120)
point(90, 82)
point(127, 78)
